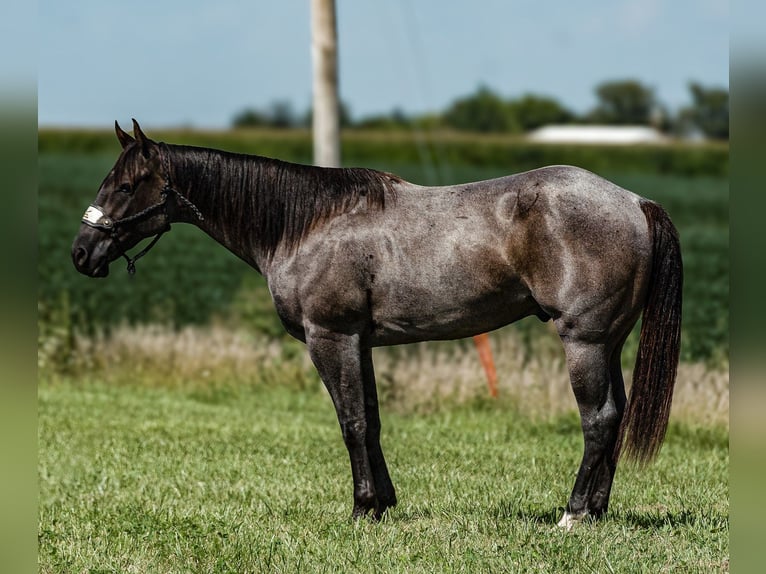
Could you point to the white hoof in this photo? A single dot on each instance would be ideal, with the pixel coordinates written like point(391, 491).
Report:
point(568, 521)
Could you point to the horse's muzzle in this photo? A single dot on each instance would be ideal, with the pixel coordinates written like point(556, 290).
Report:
point(93, 262)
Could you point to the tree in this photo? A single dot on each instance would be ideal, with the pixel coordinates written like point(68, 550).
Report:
point(250, 118)
point(396, 119)
point(623, 102)
point(483, 111)
point(281, 114)
point(709, 111)
point(278, 115)
point(532, 111)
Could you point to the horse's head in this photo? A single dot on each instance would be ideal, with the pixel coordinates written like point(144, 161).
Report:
point(130, 206)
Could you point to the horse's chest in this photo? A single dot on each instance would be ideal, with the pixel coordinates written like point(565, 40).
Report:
point(289, 312)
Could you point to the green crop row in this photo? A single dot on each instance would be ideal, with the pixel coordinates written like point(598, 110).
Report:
point(189, 279)
point(431, 150)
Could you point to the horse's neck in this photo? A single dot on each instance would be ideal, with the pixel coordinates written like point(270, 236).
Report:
point(259, 207)
point(212, 185)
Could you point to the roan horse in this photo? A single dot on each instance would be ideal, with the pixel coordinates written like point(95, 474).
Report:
point(356, 258)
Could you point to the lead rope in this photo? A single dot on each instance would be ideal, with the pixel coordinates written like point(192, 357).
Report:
point(132, 260)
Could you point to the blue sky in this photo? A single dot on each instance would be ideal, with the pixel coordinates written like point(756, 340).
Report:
point(194, 62)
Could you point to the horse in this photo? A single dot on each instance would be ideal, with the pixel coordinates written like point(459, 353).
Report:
point(356, 258)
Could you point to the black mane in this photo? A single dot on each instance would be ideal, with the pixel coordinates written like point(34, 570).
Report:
point(266, 202)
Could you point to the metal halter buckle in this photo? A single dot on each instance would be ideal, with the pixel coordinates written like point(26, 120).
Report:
point(95, 217)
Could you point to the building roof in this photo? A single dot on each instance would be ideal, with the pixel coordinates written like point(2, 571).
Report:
point(596, 134)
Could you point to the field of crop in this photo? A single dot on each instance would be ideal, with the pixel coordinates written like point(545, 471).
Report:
point(180, 430)
point(215, 284)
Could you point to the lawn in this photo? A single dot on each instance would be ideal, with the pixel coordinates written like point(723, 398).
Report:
point(256, 479)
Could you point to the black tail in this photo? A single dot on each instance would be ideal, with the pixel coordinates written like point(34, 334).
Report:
point(646, 417)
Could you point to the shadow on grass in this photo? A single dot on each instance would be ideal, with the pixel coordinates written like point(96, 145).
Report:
point(549, 516)
point(649, 520)
point(659, 520)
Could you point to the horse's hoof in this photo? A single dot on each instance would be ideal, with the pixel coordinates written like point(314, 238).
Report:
point(568, 521)
point(383, 505)
point(361, 512)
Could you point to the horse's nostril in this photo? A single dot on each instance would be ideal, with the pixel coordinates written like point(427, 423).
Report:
point(80, 256)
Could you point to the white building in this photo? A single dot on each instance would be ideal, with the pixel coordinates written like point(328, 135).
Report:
point(597, 134)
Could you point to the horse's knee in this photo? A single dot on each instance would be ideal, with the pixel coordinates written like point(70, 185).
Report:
point(354, 432)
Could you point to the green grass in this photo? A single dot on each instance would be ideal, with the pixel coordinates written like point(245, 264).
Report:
point(256, 479)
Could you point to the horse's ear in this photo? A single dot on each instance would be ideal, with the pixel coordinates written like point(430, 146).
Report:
point(122, 135)
point(142, 140)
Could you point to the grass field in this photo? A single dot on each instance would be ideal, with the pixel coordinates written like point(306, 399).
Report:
point(137, 479)
point(210, 450)
point(180, 429)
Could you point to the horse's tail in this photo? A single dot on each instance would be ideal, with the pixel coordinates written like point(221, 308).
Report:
point(645, 421)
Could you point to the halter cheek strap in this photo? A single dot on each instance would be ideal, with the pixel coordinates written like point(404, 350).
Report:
point(96, 217)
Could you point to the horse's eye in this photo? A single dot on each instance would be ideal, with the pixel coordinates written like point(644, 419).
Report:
point(125, 188)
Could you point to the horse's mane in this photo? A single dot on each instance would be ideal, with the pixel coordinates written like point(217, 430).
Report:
point(266, 202)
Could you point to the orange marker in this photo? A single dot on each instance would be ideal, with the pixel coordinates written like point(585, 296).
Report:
point(485, 356)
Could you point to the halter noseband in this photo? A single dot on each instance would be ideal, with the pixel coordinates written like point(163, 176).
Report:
point(96, 217)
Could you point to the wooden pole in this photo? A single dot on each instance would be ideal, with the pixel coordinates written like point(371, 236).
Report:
point(324, 56)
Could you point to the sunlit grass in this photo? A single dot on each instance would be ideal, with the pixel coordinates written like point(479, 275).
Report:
point(137, 478)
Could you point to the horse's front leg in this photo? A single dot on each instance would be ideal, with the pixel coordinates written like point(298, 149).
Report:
point(337, 357)
point(384, 488)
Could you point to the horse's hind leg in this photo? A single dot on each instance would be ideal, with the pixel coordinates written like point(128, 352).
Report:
point(599, 496)
point(384, 488)
point(591, 368)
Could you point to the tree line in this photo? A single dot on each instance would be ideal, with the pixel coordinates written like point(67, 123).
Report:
point(621, 102)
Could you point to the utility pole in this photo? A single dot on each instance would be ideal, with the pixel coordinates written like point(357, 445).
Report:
point(324, 56)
